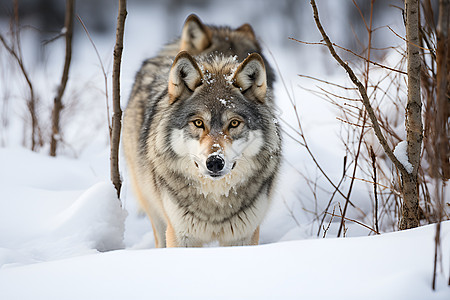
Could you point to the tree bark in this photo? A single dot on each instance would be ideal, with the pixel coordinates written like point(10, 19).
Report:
point(442, 89)
point(441, 125)
point(414, 127)
point(57, 102)
point(117, 111)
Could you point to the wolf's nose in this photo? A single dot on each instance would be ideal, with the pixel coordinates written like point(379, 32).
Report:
point(215, 163)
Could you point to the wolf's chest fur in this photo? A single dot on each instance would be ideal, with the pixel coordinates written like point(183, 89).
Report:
point(217, 217)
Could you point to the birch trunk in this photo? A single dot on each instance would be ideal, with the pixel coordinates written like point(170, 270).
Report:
point(414, 135)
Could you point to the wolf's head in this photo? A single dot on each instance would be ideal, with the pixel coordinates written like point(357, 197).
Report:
point(220, 117)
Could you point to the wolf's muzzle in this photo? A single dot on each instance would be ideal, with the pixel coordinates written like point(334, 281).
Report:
point(215, 164)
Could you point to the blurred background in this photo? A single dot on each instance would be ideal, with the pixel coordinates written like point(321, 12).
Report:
point(151, 24)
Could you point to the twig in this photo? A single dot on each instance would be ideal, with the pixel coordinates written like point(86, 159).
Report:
point(344, 169)
point(325, 230)
point(354, 221)
point(350, 123)
point(291, 213)
point(342, 221)
point(302, 135)
point(381, 185)
point(374, 167)
point(350, 51)
point(327, 82)
point(105, 77)
point(117, 111)
point(414, 44)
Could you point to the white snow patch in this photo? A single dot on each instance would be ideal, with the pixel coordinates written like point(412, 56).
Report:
point(401, 153)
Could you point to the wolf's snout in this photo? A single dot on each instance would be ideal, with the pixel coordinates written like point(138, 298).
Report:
point(215, 163)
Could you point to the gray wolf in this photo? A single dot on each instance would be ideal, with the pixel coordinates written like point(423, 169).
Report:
point(203, 147)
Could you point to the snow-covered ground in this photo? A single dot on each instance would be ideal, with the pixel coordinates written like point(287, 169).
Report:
point(393, 266)
point(55, 213)
point(64, 234)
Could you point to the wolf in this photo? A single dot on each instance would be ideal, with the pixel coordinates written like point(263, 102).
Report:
point(203, 147)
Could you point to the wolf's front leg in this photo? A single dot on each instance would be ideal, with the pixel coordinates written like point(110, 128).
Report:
point(176, 238)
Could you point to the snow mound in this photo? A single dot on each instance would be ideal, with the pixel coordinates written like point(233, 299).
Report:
point(96, 219)
point(54, 208)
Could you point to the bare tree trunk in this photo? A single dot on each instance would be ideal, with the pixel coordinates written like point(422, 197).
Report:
point(57, 102)
point(414, 128)
point(117, 111)
point(443, 88)
point(441, 140)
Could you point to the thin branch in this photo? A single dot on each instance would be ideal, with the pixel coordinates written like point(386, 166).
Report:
point(105, 77)
point(351, 52)
point(354, 221)
point(324, 81)
point(302, 135)
point(374, 167)
point(362, 91)
point(406, 41)
point(117, 111)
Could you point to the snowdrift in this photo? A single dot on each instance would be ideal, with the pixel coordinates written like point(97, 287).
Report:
point(391, 266)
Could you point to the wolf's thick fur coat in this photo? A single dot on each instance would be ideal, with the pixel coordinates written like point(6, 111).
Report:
point(185, 109)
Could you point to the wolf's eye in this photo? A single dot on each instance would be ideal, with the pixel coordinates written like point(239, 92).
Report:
point(198, 123)
point(234, 123)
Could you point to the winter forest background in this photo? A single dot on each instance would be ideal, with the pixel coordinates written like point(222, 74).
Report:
point(58, 210)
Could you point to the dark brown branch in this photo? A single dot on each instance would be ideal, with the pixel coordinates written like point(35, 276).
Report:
point(117, 111)
point(57, 102)
point(375, 194)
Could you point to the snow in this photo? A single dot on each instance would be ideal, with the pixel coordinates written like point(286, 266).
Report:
point(392, 266)
point(65, 235)
point(401, 154)
point(47, 212)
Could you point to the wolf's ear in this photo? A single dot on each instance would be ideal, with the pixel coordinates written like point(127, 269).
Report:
point(248, 30)
point(195, 36)
point(184, 77)
point(250, 77)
